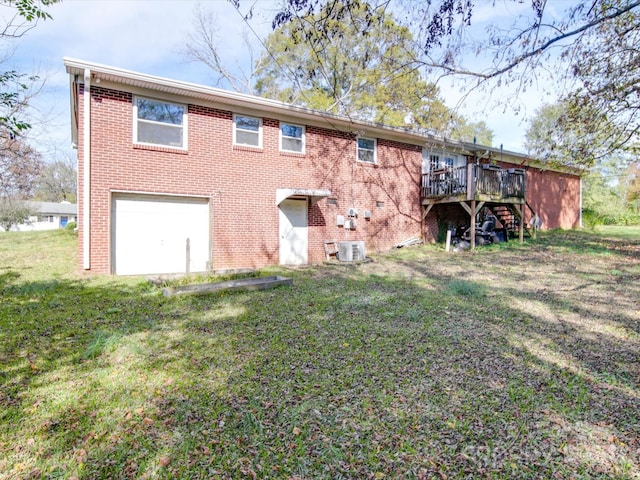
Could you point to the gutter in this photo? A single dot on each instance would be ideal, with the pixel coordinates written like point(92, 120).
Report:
point(86, 187)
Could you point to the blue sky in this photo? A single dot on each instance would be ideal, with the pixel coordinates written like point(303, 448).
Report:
point(148, 36)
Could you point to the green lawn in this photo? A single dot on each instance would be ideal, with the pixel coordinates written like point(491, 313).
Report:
point(513, 362)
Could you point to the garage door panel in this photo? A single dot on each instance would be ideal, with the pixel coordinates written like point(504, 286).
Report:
point(150, 234)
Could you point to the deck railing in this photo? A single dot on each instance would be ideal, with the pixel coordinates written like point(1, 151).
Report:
point(486, 180)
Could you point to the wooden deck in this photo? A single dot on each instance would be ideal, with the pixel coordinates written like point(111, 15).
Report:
point(475, 186)
point(483, 183)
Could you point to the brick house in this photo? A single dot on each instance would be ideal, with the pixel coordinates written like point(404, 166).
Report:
point(176, 177)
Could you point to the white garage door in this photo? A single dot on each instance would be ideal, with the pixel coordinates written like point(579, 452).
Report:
point(156, 234)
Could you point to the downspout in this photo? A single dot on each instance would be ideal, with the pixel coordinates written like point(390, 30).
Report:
point(86, 187)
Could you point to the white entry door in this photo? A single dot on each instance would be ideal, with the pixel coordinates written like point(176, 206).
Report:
point(155, 234)
point(294, 232)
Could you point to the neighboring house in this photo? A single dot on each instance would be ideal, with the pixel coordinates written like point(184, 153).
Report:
point(176, 177)
point(48, 216)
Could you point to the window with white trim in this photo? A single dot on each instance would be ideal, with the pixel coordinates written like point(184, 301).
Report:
point(247, 131)
point(433, 161)
point(366, 150)
point(292, 138)
point(159, 123)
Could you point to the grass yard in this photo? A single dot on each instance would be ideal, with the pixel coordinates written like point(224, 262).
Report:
point(513, 362)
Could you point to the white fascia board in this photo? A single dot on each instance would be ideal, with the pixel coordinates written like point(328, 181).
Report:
point(259, 105)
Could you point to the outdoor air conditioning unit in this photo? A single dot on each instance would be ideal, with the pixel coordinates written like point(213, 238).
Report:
point(352, 212)
point(367, 214)
point(351, 251)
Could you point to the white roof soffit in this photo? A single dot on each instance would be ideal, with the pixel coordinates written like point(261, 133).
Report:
point(314, 195)
point(308, 116)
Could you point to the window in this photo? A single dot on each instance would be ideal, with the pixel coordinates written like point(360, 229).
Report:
point(291, 138)
point(367, 150)
point(434, 162)
point(247, 131)
point(449, 162)
point(437, 161)
point(159, 123)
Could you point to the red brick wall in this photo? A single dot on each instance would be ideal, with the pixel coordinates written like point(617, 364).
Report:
point(555, 197)
point(241, 185)
point(241, 182)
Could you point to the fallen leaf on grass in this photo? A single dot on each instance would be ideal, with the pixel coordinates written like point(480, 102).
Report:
point(164, 461)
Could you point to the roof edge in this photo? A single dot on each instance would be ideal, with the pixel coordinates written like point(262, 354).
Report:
point(77, 67)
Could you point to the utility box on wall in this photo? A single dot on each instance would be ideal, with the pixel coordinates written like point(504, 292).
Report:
point(351, 251)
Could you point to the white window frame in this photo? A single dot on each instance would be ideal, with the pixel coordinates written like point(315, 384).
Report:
point(435, 162)
point(235, 129)
point(375, 150)
point(184, 125)
point(302, 138)
point(438, 159)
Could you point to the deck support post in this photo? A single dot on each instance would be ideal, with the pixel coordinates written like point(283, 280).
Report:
point(473, 225)
point(521, 226)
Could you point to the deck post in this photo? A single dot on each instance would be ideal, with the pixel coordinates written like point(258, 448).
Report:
point(521, 225)
point(471, 182)
point(473, 225)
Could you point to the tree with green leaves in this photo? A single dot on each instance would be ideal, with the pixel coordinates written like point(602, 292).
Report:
point(13, 212)
point(588, 51)
point(324, 63)
point(567, 134)
point(555, 137)
point(606, 196)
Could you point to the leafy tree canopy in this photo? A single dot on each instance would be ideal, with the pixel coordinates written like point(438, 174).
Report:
point(590, 50)
point(323, 62)
point(345, 59)
point(13, 212)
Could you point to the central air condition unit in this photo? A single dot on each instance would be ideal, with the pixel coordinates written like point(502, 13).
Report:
point(351, 251)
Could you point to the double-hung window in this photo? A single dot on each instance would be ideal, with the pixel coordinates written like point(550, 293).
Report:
point(159, 123)
point(367, 150)
point(247, 131)
point(291, 138)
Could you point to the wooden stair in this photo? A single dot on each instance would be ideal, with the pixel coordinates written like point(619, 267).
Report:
point(509, 217)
